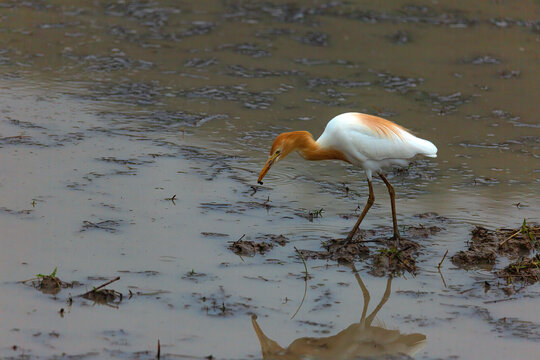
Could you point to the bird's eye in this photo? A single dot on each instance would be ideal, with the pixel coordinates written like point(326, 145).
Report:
point(278, 152)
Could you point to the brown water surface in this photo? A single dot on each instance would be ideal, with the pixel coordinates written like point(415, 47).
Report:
point(109, 108)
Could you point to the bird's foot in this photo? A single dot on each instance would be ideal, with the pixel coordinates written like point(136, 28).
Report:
point(350, 238)
point(396, 239)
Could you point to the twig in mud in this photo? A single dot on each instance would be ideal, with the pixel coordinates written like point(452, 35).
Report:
point(172, 198)
point(373, 241)
point(442, 277)
point(254, 188)
point(526, 230)
point(158, 350)
point(240, 256)
point(305, 283)
point(444, 257)
point(88, 224)
point(500, 300)
point(100, 286)
point(346, 190)
point(303, 261)
point(510, 237)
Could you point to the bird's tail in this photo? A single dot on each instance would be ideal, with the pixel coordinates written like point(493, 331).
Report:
point(427, 148)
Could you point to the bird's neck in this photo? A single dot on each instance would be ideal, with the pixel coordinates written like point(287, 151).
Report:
point(310, 150)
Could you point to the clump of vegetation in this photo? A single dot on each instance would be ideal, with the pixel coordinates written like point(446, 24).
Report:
point(310, 214)
point(526, 270)
point(315, 214)
point(393, 261)
point(487, 244)
point(527, 232)
point(48, 284)
point(104, 296)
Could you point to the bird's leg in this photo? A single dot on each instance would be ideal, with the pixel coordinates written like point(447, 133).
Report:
point(383, 301)
point(393, 204)
point(370, 201)
point(365, 293)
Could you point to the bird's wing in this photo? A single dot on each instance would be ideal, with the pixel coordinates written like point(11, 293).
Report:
point(366, 146)
point(362, 139)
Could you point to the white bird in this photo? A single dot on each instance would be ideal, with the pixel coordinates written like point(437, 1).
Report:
point(367, 141)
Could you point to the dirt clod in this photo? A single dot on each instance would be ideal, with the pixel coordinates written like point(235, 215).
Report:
point(339, 250)
point(487, 244)
point(250, 248)
point(275, 239)
point(395, 262)
point(526, 270)
point(49, 284)
point(105, 296)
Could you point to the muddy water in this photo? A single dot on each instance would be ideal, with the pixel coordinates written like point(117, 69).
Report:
point(108, 109)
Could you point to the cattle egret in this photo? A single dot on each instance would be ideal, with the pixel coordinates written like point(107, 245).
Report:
point(367, 141)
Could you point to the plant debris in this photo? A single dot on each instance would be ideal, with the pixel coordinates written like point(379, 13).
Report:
point(275, 239)
point(526, 271)
point(249, 248)
point(487, 244)
point(104, 296)
point(387, 260)
point(223, 304)
point(49, 284)
point(339, 250)
point(395, 262)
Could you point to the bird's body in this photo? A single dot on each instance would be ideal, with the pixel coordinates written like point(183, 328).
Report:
point(373, 143)
point(367, 141)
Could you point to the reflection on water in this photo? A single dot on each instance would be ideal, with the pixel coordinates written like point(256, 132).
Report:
point(361, 339)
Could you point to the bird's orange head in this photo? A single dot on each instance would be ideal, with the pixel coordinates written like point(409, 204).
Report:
point(282, 146)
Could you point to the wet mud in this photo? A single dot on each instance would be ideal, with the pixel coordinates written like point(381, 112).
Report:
point(487, 245)
point(104, 297)
point(52, 285)
point(375, 247)
point(49, 284)
point(525, 270)
point(132, 137)
point(251, 248)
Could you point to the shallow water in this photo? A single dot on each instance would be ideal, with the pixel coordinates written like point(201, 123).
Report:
point(108, 109)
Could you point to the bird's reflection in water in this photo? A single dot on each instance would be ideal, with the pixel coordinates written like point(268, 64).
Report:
point(359, 340)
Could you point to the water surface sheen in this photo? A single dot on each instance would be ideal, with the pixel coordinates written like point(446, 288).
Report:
point(109, 108)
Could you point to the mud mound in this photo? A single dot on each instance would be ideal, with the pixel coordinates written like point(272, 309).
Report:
point(526, 271)
point(251, 248)
point(105, 296)
point(339, 250)
point(49, 284)
point(386, 259)
point(395, 262)
point(487, 244)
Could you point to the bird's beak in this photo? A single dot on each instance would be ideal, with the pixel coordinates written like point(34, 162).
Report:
point(267, 167)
